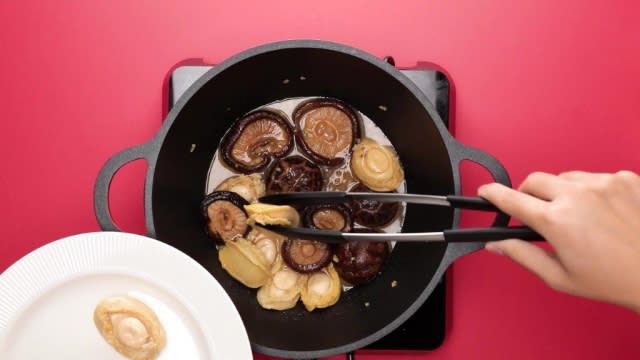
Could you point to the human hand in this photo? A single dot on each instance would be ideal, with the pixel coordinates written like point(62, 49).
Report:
point(592, 222)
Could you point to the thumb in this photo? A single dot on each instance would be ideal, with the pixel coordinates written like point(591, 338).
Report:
point(533, 258)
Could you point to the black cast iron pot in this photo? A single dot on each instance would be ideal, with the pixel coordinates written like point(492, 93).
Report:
point(175, 185)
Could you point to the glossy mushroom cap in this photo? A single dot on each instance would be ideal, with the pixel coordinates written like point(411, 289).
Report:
point(372, 213)
point(306, 256)
point(294, 174)
point(254, 140)
point(224, 215)
point(328, 217)
point(326, 130)
point(359, 262)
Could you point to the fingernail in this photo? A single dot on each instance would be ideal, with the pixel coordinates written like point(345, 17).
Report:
point(493, 248)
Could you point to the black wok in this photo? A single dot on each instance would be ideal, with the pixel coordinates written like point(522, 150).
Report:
point(175, 185)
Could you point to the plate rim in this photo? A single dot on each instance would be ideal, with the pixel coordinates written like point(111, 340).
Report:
point(24, 283)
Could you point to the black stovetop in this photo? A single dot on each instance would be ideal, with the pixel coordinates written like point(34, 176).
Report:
point(425, 330)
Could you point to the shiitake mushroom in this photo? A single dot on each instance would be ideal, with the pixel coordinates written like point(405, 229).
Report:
point(294, 174)
point(328, 217)
point(306, 256)
point(255, 139)
point(358, 262)
point(372, 213)
point(223, 212)
point(326, 130)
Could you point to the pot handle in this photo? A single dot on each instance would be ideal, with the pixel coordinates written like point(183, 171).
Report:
point(103, 182)
point(495, 168)
point(499, 174)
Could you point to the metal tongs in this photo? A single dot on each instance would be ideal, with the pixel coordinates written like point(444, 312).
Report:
point(450, 235)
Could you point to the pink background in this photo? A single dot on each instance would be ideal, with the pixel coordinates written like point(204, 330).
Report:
point(542, 85)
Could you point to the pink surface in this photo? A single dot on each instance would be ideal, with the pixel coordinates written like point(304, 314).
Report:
point(542, 85)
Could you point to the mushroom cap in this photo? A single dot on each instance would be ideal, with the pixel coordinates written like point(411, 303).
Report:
point(294, 174)
point(372, 213)
point(359, 262)
point(306, 256)
point(255, 139)
point(326, 130)
point(328, 217)
point(224, 215)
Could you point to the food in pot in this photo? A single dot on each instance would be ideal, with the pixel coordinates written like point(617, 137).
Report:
point(256, 139)
point(294, 174)
point(130, 327)
point(306, 256)
point(270, 244)
point(293, 145)
point(250, 187)
point(323, 289)
point(328, 217)
point(282, 291)
point(372, 213)
point(377, 166)
point(225, 216)
point(340, 179)
point(326, 130)
point(245, 262)
point(267, 214)
point(359, 262)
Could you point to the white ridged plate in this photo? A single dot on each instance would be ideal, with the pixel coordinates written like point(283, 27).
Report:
point(47, 300)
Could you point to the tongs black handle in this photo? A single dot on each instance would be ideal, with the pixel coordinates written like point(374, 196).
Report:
point(452, 235)
point(491, 234)
point(471, 203)
point(324, 197)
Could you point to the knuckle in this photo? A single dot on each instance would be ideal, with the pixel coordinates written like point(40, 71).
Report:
point(550, 215)
point(532, 179)
point(535, 176)
point(626, 177)
point(567, 174)
point(602, 185)
point(582, 189)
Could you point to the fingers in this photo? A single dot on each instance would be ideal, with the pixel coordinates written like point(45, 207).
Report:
point(533, 258)
point(528, 209)
point(544, 186)
point(580, 176)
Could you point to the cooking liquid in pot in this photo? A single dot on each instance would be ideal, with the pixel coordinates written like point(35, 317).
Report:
point(336, 179)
